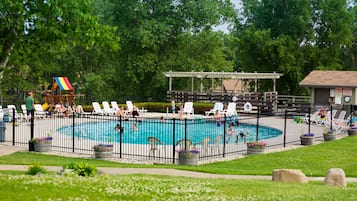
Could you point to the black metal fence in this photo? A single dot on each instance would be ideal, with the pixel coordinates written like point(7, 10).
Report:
point(159, 137)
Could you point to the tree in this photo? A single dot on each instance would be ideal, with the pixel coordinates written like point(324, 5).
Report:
point(292, 37)
point(167, 35)
point(38, 39)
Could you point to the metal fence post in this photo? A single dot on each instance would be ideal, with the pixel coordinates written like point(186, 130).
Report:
point(73, 136)
point(13, 126)
point(285, 117)
point(224, 135)
point(309, 128)
point(257, 135)
point(32, 123)
point(173, 140)
point(120, 135)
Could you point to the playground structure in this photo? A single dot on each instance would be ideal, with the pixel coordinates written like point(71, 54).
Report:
point(60, 91)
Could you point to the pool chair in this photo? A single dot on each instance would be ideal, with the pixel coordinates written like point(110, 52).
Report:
point(24, 112)
point(216, 143)
point(183, 144)
point(217, 106)
point(97, 109)
point(203, 146)
point(39, 112)
point(114, 105)
point(106, 108)
point(130, 108)
point(18, 116)
point(231, 109)
point(154, 146)
point(188, 108)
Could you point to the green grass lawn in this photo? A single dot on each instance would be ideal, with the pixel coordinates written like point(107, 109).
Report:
point(144, 187)
point(313, 161)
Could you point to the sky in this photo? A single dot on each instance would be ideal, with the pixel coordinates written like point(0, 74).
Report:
point(224, 27)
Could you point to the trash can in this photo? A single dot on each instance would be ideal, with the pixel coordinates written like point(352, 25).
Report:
point(2, 131)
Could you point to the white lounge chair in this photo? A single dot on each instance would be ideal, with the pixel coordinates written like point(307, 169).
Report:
point(114, 105)
point(39, 112)
point(231, 109)
point(24, 112)
point(188, 108)
point(130, 108)
point(17, 116)
point(217, 106)
point(106, 108)
point(97, 109)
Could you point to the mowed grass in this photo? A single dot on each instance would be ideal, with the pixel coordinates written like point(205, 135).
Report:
point(144, 187)
point(313, 161)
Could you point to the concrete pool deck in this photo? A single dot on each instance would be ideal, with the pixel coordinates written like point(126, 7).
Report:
point(293, 134)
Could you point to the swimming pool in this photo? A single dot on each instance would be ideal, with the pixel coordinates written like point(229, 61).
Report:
point(106, 132)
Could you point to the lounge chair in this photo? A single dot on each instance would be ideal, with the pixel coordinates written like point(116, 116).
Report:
point(114, 105)
point(97, 109)
point(183, 144)
point(203, 145)
point(188, 108)
point(154, 146)
point(39, 112)
point(18, 116)
point(130, 108)
point(24, 112)
point(217, 106)
point(106, 108)
point(231, 109)
point(216, 143)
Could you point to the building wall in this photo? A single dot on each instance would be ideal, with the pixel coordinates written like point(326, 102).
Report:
point(334, 96)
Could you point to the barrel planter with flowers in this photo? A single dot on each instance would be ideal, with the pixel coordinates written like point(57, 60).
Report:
point(307, 139)
point(257, 147)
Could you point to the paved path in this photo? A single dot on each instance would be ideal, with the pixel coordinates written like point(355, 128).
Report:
point(164, 171)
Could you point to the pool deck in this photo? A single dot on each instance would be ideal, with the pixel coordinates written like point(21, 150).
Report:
point(293, 134)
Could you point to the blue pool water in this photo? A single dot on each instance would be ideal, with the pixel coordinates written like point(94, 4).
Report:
point(106, 132)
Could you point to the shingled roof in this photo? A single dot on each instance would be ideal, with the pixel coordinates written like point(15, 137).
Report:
point(319, 78)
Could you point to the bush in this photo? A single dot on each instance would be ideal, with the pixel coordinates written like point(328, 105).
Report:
point(36, 169)
point(82, 169)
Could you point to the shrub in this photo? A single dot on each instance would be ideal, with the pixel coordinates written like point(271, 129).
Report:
point(82, 169)
point(36, 169)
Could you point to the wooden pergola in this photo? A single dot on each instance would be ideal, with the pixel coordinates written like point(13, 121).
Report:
point(222, 75)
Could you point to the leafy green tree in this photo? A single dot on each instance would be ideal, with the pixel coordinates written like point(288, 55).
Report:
point(292, 37)
point(167, 35)
point(41, 39)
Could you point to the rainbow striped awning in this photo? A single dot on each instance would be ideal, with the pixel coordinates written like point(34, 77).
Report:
point(63, 83)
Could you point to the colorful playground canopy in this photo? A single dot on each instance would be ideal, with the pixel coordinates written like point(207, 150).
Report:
point(63, 83)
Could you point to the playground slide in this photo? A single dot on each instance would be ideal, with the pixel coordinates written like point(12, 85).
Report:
point(45, 106)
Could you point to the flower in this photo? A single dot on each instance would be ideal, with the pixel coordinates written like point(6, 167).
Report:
point(257, 144)
point(308, 135)
point(193, 151)
point(42, 140)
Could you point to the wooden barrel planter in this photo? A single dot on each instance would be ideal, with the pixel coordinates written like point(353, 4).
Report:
point(330, 135)
point(352, 132)
point(42, 144)
point(189, 157)
point(307, 140)
point(256, 148)
point(103, 151)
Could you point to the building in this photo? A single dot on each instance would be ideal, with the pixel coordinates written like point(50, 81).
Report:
point(332, 87)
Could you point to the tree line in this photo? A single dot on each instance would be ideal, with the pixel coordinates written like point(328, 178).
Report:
point(118, 49)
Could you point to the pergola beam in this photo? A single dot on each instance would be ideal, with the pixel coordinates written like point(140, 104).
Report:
point(222, 75)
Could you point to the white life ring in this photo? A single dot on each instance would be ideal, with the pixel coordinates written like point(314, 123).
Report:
point(247, 107)
point(234, 98)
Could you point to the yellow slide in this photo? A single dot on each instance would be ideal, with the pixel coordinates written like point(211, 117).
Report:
point(45, 106)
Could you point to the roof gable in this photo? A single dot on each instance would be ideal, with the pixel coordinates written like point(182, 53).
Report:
point(319, 78)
